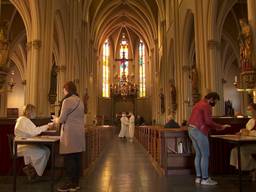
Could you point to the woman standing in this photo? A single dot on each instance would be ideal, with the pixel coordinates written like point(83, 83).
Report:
point(72, 136)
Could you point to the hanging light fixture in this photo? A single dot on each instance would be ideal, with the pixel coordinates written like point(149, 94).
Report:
point(4, 53)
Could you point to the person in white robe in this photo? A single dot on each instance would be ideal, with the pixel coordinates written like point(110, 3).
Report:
point(35, 156)
point(131, 126)
point(124, 126)
point(248, 163)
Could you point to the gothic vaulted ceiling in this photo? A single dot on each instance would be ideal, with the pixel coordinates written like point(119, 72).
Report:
point(108, 17)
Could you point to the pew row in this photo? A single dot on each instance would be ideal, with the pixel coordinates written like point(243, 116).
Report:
point(97, 138)
point(169, 149)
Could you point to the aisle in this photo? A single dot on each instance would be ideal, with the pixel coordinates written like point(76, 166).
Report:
point(125, 167)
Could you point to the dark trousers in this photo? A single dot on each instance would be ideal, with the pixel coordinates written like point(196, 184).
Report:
point(72, 163)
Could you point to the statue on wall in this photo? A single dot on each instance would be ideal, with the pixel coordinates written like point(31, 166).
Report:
point(194, 79)
point(229, 110)
point(85, 100)
point(195, 84)
point(246, 45)
point(173, 95)
point(162, 101)
point(53, 84)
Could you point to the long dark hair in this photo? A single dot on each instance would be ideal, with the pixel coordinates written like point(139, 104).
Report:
point(70, 87)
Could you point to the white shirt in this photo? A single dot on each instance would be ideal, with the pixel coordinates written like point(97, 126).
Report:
point(24, 127)
point(250, 125)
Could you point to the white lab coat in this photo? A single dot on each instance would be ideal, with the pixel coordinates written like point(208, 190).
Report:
point(124, 127)
point(247, 161)
point(37, 155)
point(131, 126)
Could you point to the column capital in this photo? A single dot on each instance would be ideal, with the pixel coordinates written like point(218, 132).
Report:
point(36, 44)
point(213, 44)
point(61, 68)
point(33, 44)
point(29, 45)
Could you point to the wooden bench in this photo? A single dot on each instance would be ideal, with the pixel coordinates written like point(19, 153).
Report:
point(157, 141)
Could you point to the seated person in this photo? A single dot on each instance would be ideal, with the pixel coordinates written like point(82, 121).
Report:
point(171, 123)
point(248, 163)
point(184, 123)
point(35, 156)
point(139, 120)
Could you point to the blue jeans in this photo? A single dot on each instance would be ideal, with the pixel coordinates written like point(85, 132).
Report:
point(201, 145)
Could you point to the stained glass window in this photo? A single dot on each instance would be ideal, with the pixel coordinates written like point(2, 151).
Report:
point(142, 79)
point(105, 83)
point(124, 55)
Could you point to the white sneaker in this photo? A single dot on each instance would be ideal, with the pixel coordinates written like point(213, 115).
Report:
point(198, 180)
point(208, 181)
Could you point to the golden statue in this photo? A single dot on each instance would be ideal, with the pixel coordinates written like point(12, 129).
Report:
point(246, 45)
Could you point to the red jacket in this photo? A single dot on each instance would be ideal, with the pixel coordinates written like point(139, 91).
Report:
point(201, 117)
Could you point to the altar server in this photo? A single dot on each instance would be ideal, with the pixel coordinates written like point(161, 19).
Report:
point(124, 126)
point(35, 156)
point(131, 126)
point(248, 163)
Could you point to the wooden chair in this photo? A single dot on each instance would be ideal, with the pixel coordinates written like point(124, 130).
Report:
point(11, 148)
point(12, 112)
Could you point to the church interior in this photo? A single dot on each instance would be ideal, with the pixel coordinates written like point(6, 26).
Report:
point(153, 58)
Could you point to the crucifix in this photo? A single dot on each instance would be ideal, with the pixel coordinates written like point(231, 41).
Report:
point(123, 60)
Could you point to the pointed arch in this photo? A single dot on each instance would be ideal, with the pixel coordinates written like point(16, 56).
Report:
point(25, 15)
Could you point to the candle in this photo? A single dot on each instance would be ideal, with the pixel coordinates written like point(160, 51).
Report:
point(235, 78)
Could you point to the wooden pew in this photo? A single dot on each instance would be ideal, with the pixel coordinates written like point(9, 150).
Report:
point(158, 140)
point(97, 138)
point(162, 146)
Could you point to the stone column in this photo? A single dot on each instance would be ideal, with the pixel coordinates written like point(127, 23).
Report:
point(178, 73)
point(215, 71)
point(201, 47)
point(163, 72)
point(155, 82)
point(92, 89)
point(31, 91)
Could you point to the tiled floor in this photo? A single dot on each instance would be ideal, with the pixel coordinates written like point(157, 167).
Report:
point(124, 167)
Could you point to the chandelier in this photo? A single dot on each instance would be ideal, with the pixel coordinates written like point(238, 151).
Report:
point(4, 64)
point(123, 86)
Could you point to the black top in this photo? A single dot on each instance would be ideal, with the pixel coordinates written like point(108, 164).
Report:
point(171, 124)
